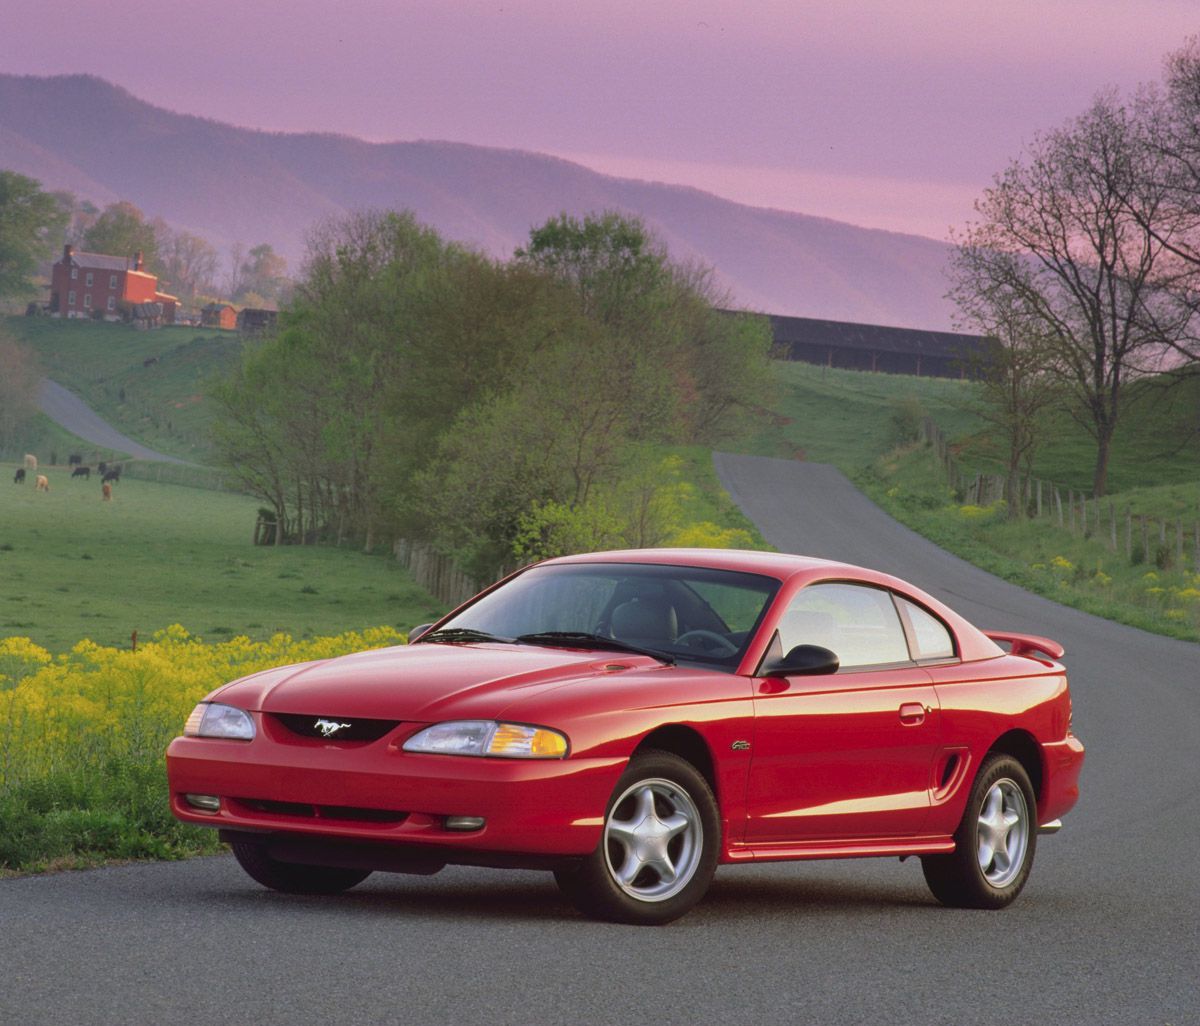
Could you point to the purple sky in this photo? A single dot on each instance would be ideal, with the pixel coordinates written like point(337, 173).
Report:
point(884, 113)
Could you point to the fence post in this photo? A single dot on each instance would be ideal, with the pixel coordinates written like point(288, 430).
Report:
point(1083, 505)
point(1071, 507)
point(1145, 538)
point(1128, 533)
point(1112, 523)
point(1058, 503)
point(1179, 544)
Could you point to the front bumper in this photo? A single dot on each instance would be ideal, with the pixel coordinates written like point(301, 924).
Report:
point(377, 792)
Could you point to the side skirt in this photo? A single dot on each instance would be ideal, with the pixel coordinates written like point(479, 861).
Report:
point(860, 848)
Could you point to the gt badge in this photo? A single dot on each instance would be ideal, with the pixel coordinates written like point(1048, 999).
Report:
point(740, 746)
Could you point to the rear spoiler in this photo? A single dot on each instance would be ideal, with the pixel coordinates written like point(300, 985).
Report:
point(1028, 644)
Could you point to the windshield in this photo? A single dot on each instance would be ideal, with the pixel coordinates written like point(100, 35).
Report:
point(686, 614)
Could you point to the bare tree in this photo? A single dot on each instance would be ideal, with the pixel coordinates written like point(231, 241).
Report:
point(1056, 236)
point(1018, 369)
point(235, 281)
point(189, 262)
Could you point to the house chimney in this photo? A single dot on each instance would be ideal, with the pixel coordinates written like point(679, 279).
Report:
point(137, 261)
point(68, 251)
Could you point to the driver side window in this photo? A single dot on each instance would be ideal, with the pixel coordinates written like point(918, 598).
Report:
point(857, 622)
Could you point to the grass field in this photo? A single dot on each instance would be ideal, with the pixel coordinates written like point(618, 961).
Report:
point(76, 567)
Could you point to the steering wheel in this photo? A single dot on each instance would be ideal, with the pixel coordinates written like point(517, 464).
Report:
point(714, 642)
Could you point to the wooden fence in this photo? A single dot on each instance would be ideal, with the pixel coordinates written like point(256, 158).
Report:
point(1171, 542)
point(438, 574)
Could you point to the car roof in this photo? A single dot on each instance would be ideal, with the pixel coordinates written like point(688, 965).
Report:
point(776, 564)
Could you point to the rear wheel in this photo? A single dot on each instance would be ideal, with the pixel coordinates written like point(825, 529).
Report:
point(294, 877)
point(995, 841)
point(659, 849)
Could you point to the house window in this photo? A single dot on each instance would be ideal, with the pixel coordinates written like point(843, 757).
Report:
point(71, 298)
point(74, 273)
point(87, 300)
point(88, 283)
point(112, 281)
point(112, 302)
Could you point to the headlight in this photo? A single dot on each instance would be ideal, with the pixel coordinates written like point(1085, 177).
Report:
point(487, 737)
point(211, 719)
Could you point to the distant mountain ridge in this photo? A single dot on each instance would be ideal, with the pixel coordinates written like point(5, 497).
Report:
point(231, 184)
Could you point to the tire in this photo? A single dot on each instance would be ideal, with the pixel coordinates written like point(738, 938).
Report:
point(294, 877)
point(995, 841)
point(659, 846)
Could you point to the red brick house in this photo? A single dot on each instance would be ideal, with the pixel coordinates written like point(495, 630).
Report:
point(97, 285)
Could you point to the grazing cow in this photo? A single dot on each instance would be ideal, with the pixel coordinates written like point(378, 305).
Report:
point(84, 472)
point(31, 463)
point(74, 460)
point(106, 491)
point(19, 476)
point(42, 484)
point(111, 475)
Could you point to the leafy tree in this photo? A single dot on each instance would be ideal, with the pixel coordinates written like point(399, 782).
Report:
point(31, 225)
point(423, 388)
point(122, 230)
point(638, 354)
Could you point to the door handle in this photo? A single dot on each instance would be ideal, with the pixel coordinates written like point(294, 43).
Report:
point(912, 714)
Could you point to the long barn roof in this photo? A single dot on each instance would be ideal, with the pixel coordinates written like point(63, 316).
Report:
point(872, 337)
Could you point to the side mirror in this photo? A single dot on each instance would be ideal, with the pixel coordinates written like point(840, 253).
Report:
point(416, 632)
point(805, 660)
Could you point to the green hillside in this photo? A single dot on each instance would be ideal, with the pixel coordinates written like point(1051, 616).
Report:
point(151, 385)
point(850, 418)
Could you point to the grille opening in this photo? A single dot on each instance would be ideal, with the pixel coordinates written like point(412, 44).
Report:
point(348, 728)
point(307, 811)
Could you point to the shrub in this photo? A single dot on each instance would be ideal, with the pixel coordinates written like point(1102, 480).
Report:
point(907, 419)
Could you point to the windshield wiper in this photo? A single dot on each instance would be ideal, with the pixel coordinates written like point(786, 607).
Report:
point(453, 634)
point(582, 639)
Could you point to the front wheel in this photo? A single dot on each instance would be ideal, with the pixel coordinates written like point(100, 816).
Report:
point(995, 841)
point(294, 877)
point(659, 849)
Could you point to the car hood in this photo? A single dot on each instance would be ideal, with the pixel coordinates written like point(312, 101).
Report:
point(424, 682)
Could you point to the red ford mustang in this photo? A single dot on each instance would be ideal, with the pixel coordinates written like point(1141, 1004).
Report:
point(629, 720)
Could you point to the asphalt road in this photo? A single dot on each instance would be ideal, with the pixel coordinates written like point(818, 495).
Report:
point(1105, 933)
point(63, 405)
